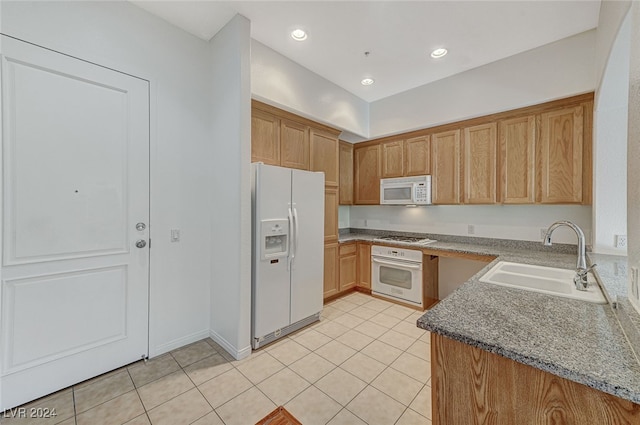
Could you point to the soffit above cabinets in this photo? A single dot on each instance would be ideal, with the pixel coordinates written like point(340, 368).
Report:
point(399, 35)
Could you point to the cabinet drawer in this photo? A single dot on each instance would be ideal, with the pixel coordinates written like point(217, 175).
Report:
point(347, 249)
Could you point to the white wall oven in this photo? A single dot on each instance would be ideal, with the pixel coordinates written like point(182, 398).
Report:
point(396, 273)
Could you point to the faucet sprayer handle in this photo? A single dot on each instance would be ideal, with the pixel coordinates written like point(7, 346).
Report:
point(580, 279)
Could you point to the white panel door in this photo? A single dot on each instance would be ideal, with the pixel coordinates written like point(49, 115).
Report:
point(75, 158)
point(307, 270)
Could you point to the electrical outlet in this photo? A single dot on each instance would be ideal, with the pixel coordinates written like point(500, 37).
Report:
point(175, 235)
point(619, 268)
point(366, 222)
point(471, 229)
point(621, 241)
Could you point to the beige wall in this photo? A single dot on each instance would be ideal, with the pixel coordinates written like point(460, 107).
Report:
point(633, 149)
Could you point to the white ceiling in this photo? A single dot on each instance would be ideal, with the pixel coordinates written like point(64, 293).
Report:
point(398, 34)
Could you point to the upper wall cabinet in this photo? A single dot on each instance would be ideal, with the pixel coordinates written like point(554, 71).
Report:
point(417, 156)
point(324, 156)
point(294, 145)
point(445, 167)
point(392, 158)
point(479, 158)
point(539, 154)
point(561, 154)
point(265, 138)
point(281, 138)
point(367, 175)
point(517, 140)
point(346, 173)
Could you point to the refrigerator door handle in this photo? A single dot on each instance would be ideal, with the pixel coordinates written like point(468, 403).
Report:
point(296, 230)
point(292, 253)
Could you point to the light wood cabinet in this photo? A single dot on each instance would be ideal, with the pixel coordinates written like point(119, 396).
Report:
point(367, 175)
point(505, 392)
point(445, 167)
point(430, 275)
point(364, 265)
point(324, 155)
point(331, 214)
point(346, 173)
point(330, 269)
point(560, 148)
point(417, 156)
point(265, 138)
point(479, 159)
point(294, 145)
point(517, 141)
point(392, 158)
point(347, 266)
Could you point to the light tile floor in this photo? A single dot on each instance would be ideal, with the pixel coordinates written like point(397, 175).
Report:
point(365, 362)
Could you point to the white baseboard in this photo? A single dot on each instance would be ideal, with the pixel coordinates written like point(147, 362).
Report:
point(237, 354)
point(177, 343)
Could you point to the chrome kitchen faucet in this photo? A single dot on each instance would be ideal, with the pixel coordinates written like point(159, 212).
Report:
point(580, 278)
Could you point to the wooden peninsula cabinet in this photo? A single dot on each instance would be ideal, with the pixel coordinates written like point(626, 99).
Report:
point(473, 386)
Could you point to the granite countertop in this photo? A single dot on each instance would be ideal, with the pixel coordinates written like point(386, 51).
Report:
point(576, 340)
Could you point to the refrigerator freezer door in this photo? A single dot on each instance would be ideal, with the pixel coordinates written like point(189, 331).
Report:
point(271, 280)
point(308, 242)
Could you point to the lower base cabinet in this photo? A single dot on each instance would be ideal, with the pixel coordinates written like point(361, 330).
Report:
point(347, 266)
point(474, 386)
point(364, 266)
point(330, 270)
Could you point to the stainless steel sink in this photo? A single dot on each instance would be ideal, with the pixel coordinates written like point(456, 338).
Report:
point(546, 280)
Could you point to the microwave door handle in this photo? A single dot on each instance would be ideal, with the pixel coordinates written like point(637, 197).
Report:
point(291, 251)
point(399, 265)
point(296, 231)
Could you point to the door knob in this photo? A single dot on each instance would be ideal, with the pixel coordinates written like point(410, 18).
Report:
point(141, 243)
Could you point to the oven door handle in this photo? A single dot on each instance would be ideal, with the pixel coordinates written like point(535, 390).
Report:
point(397, 264)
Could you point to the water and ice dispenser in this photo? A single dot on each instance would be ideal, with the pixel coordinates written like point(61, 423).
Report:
point(274, 238)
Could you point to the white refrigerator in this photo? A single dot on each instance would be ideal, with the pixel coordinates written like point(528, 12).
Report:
point(288, 251)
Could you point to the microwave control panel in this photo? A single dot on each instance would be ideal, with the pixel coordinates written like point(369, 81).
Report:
point(421, 194)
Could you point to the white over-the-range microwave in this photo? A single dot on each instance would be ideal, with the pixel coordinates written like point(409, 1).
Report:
point(414, 190)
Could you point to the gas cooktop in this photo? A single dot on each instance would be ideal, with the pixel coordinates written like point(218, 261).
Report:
point(405, 239)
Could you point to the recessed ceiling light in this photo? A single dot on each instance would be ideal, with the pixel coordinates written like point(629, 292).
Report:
point(367, 81)
point(298, 34)
point(438, 53)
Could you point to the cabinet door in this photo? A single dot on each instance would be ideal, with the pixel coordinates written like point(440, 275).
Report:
point(479, 160)
point(392, 158)
point(265, 138)
point(367, 175)
point(445, 167)
point(346, 173)
point(331, 214)
point(517, 160)
point(364, 265)
point(330, 269)
point(347, 266)
point(417, 156)
point(324, 155)
point(294, 145)
point(561, 156)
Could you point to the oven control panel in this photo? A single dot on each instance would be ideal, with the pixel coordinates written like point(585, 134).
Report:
point(392, 252)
